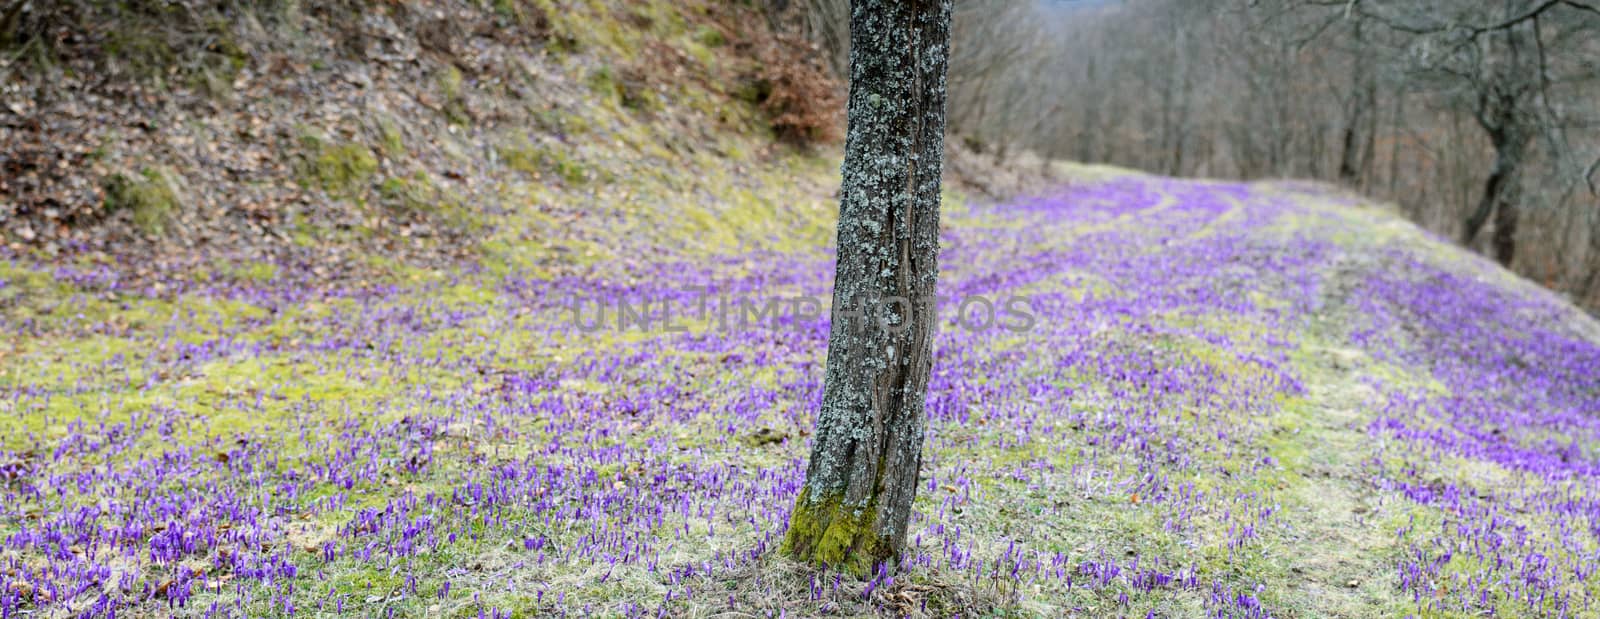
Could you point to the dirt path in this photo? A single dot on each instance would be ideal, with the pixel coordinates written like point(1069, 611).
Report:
point(1343, 559)
point(1342, 562)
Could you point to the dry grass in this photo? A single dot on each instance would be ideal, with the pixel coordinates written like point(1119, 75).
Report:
point(776, 586)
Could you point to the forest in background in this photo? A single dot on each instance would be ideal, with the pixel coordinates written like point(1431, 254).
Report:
point(1477, 119)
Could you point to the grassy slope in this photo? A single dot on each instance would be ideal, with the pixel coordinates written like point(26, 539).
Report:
point(361, 427)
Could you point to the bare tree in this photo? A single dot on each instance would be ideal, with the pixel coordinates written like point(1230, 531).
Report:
point(1491, 59)
point(1361, 105)
point(995, 44)
point(853, 511)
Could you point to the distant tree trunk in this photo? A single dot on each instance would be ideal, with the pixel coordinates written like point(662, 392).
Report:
point(1087, 151)
point(853, 511)
point(1486, 202)
point(1369, 149)
point(1504, 242)
point(1497, 199)
point(1350, 164)
point(827, 22)
point(1180, 125)
point(1394, 142)
point(1349, 152)
point(1589, 291)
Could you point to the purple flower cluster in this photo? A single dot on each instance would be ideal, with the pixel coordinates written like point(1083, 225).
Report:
point(1502, 444)
point(277, 449)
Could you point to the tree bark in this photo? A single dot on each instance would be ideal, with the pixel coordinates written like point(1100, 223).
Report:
point(1492, 189)
point(1185, 91)
point(853, 511)
point(1589, 291)
point(1087, 151)
point(1504, 242)
point(1351, 167)
point(1497, 200)
point(1394, 142)
point(826, 22)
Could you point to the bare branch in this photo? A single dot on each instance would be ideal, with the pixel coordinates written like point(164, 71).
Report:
point(1512, 22)
point(1581, 6)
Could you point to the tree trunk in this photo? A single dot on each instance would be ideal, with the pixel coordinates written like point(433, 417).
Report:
point(853, 511)
point(1185, 91)
point(1505, 232)
point(1486, 202)
point(1394, 143)
point(1086, 143)
point(1350, 165)
point(1496, 199)
point(1589, 291)
point(826, 22)
point(1350, 148)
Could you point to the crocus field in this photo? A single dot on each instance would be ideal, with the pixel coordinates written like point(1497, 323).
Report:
point(1235, 401)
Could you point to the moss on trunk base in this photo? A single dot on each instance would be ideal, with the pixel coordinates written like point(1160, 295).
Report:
point(831, 532)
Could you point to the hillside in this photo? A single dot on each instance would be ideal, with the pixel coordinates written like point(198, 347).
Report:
point(366, 144)
point(1235, 400)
